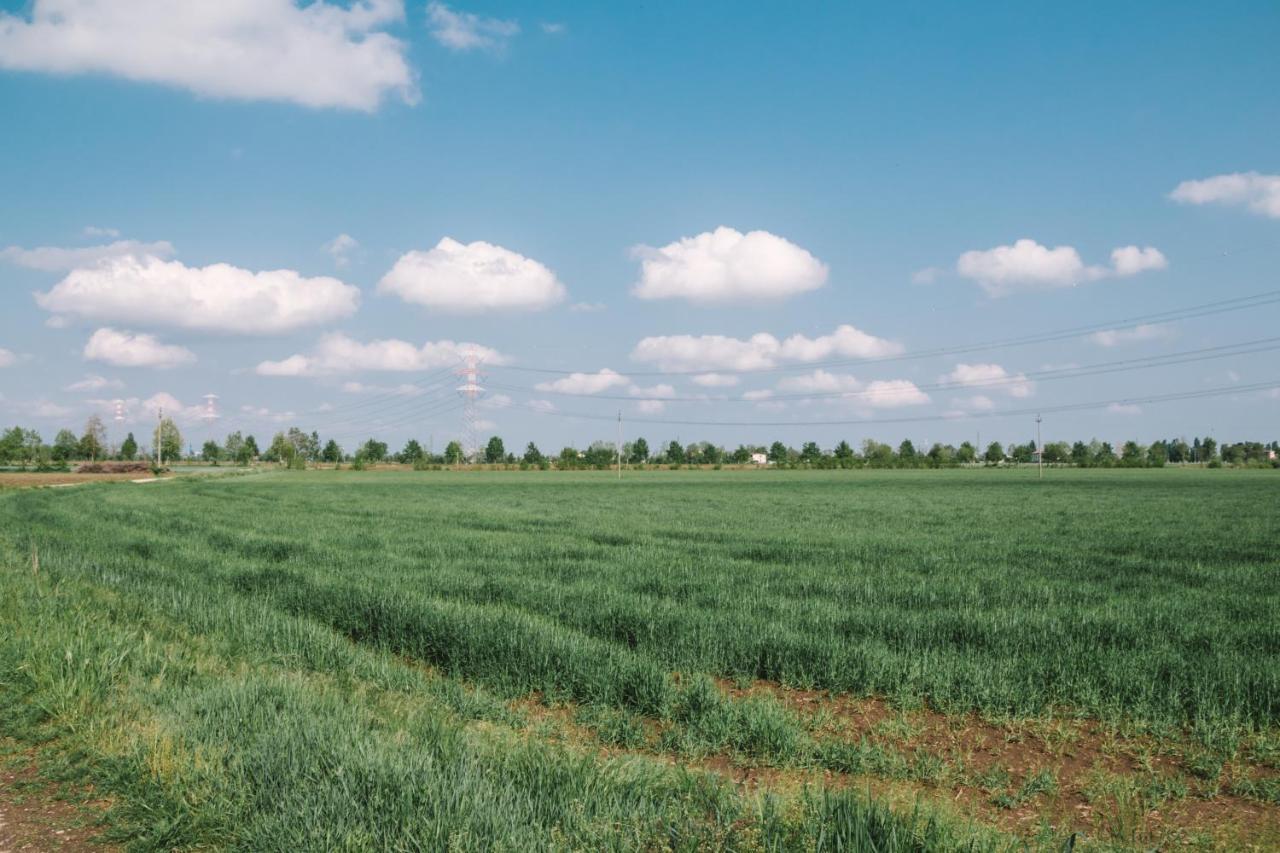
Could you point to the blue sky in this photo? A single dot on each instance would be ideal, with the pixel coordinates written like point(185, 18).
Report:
point(605, 174)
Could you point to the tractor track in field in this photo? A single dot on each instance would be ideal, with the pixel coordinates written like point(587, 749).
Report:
point(34, 817)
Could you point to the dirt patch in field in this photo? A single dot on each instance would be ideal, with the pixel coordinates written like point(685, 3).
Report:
point(34, 817)
point(1021, 776)
point(33, 479)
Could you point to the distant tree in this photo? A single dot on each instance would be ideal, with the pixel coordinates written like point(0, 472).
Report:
point(211, 452)
point(568, 458)
point(453, 453)
point(305, 446)
point(169, 440)
point(373, 451)
point(65, 446)
point(94, 440)
point(1209, 447)
point(844, 454)
point(232, 447)
point(411, 453)
point(906, 453)
point(248, 450)
point(601, 454)
point(876, 454)
point(129, 448)
point(1179, 450)
point(994, 454)
point(675, 453)
point(1158, 454)
point(1080, 454)
point(1056, 452)
point(810, 452)
point(941, 455)
point(1132, 455)
point(639, 452)
point(494, 452)
point(712, 454)
point(966, 453)
point(332, 452)
point(778, 453)
point(741, 455)
point(1104, 455)
point(1023, 452)
point(532, 454)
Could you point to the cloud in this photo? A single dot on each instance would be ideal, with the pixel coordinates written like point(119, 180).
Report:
point(340, 249)
point(651, 407)
point(553, 28)
point(42, 409)
point(472, 278)
point(819, 382)
point(96, 231)
point(169, 405)
point(404, 389)
point(1124, 409)
point(587, 307)
point(585, 383)
point(542, 406)
point(145, 290)
point(7, 357)
point(928, 275)
point(762, 351)
point(1259, 193)
point(1130, 260)
point(1137, 334)
point(727, 266)
point(337, 353)
point(464, 31)
point(758, 394)
point(714, 380)
point(319, 54)
point(978, 403)
point(94, 382)
point(893, 394)
point(262, 413)
point(58, 259)
point(990, 375)
point(126, 349)
point(1029, 266)
point(661, 391)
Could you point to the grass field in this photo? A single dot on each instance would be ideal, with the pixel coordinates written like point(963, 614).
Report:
point(747, 660)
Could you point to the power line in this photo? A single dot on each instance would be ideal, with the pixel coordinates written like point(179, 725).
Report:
point(1068, 407)
point(1206, 309)
point(1119, 365)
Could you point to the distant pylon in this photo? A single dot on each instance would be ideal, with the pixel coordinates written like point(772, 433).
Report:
point(210, 413)
point(119, 411)
point(470, 391)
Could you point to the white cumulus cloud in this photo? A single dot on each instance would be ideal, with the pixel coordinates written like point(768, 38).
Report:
point(1124, 409)
point(337, 353)
point(820, 382)
point(1137, 334)
point(318, 54)
point(585, 383)
point(472, 278)
point(59, 259)
point(126, 349)
point(715, 380)
point(1029, 266)
point(464, 31)
point(340, 249)
point(7, 357)
point(1259, 193)
point(726, 265)
point(762, 351)
point(149, 291)
point(94, 382)
point(99, 231)
point(893, 394)
point(989, 376)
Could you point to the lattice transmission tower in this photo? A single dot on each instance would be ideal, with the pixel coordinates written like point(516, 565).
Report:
point(471, 391)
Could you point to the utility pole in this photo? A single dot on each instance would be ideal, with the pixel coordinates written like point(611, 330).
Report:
point(159, 429)
point(619, 444)
point(1039, 448)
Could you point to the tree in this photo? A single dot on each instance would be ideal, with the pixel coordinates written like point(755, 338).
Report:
point(675, 453)
point(906, 452)
point(411, 453)
point(65, 446)
point(568, 458)
point(129, 448)
point(1132, 455)
point(1209, 449)
point(233, 446)
point(453, 453)
point(639, 452)
point(281, 450)
point(1158, 454)
point(248, 451)
point(94, 440)
point(211, 451)
point(778, 452)
point(877, 455)
point(994, 454)
point(332, 452)
point(372, 451)
point(966, 453)
point(844, 454)
point(810, 452)
point(494, 452)
point(1080, 454)
point(941, 455)
point(169, 439)
point(1056, 451)
point(532, 454)
point(741, 455)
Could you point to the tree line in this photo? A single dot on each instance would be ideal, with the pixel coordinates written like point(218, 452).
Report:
point(297, 448)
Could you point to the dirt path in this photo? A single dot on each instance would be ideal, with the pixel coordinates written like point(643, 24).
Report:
point(32, 817)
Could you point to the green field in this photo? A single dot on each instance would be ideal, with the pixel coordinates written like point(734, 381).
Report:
point(747, 660)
